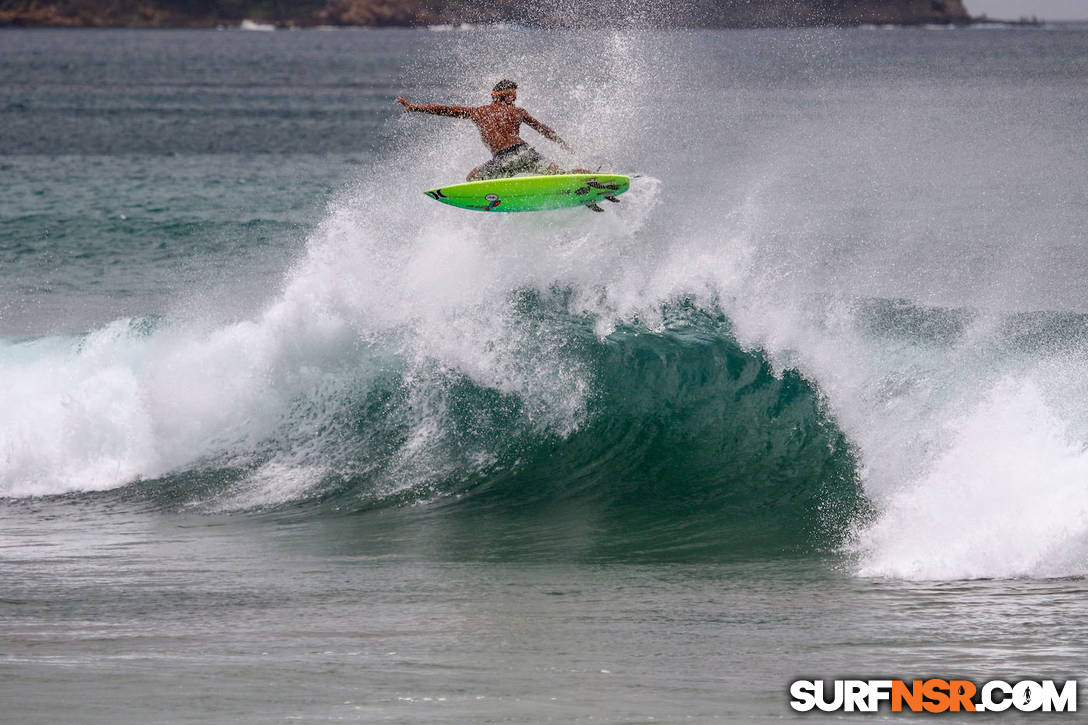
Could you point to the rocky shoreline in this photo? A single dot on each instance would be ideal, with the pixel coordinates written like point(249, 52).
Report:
point(407, 13)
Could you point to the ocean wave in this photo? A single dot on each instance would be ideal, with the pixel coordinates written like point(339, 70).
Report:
point(805, 335)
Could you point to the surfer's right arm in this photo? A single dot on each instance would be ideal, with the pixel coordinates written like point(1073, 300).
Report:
point(435, 109)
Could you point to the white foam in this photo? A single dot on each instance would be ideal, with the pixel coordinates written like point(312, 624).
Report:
point(248, 24)
point(1008, 496)
point(118, 405)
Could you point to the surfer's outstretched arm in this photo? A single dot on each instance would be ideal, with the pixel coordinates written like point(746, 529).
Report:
point(435, 109)
point(546, 132)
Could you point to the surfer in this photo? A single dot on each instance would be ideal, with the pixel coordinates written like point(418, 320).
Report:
point(499, 123)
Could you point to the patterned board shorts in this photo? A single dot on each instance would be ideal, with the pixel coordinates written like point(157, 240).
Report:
point(520, 158)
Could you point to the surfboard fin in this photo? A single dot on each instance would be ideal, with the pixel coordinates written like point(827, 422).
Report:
point(594, 207)
point(612, 199)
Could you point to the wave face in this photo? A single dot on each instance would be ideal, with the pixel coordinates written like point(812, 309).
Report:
point(671, 441)
point(792, 333)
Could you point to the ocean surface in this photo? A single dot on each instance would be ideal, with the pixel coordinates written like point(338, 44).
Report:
point(282, 439)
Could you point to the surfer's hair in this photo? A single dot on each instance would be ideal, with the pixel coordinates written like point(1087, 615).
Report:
point(504, 85)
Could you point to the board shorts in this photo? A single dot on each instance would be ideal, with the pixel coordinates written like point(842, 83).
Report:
point(521, 158)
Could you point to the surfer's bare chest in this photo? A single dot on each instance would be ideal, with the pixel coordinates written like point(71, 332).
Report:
point(499, 124)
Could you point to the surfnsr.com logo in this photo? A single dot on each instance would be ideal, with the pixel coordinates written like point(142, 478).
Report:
point(933, 695)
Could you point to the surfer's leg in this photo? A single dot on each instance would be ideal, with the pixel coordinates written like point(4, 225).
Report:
point(490, 169)
point(528, 161)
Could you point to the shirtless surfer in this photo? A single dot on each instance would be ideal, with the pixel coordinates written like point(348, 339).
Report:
point(499, 123)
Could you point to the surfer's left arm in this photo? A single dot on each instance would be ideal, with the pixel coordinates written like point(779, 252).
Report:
point(546, 132)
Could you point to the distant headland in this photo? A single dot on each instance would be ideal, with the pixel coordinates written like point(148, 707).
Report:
point(539, 13)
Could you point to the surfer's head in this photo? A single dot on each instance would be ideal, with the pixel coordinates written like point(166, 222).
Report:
point(505, 90)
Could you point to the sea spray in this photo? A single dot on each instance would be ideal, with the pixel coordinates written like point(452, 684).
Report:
point(892, 242)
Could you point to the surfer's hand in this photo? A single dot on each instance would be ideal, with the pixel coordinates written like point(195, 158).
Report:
point(406, 103)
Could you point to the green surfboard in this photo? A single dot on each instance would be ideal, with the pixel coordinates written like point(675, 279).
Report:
point(533, 193)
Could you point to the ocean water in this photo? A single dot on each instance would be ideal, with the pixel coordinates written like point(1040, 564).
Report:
point(283, 439)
